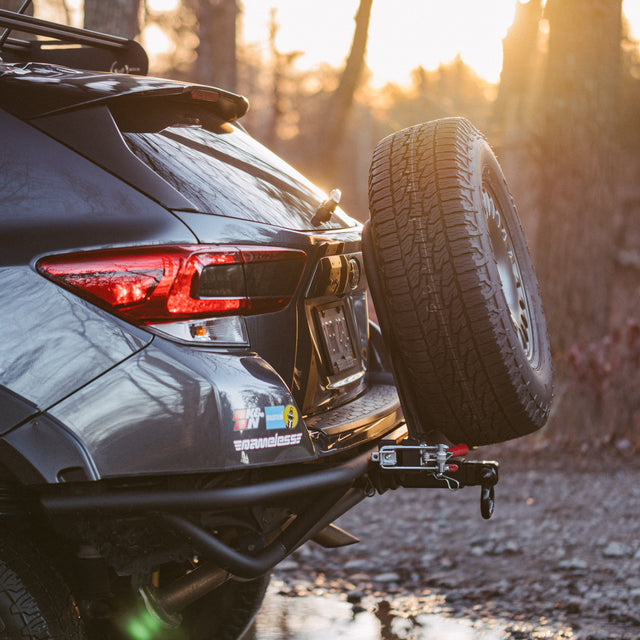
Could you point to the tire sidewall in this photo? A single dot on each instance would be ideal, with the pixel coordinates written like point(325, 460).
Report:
point(35, 600)
point(536, 369)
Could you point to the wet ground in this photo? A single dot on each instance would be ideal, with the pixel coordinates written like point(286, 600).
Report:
point(559, 559)
point(327, 616)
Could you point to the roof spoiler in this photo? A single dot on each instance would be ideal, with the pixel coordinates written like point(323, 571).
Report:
point(69, 46)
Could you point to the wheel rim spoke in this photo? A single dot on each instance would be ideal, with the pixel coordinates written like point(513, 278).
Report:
point(509, 272)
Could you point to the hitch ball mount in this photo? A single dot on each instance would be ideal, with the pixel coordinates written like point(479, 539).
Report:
point(413, 464)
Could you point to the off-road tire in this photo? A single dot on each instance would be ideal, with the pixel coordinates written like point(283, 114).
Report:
point(35, 602)
point(466, 319)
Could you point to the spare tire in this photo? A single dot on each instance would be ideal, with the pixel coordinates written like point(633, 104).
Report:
point(465, 316)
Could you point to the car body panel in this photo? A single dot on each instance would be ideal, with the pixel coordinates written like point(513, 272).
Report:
point(55, 200)
point(176, 409)
point(14, 409)
point(42, 451)
point(53, 342)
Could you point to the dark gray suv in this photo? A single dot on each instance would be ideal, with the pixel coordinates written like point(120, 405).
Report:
point(190, 384)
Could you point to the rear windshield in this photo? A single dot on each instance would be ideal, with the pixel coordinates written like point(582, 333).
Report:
point(221, 169)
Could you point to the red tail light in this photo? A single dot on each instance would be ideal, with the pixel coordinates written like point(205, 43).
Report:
point(151, 285)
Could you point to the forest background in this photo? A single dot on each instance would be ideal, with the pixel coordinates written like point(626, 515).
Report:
point(564, 120)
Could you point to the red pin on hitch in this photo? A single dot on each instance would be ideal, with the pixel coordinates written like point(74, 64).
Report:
point(458, 450)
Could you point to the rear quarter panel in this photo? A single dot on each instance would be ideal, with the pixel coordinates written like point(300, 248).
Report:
point(54, 200)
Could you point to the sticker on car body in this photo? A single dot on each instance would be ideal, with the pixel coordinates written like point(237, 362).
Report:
point(246, 419)
point(268, 442)
point(281, 417)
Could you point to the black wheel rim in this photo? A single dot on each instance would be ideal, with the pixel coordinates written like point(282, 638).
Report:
point(510, 273)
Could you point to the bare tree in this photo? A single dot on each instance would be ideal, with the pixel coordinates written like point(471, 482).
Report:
point(519, 56)
point(511, 127)
point(578, 167)
point(216, 63)
point(283, 87)
point(342, 99)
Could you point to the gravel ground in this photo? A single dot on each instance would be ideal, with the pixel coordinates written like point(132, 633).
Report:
point(562, 548)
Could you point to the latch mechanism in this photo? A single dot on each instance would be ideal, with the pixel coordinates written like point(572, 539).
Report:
point(413, 464)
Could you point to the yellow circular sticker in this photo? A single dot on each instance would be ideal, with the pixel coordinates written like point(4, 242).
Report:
point(290, 416)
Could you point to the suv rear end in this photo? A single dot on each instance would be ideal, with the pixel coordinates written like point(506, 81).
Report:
point(186, 349)
point(231, 269)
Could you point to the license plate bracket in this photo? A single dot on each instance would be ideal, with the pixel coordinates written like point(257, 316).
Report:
point(341, 356)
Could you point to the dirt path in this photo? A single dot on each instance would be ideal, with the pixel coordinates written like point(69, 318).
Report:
point(562, 548)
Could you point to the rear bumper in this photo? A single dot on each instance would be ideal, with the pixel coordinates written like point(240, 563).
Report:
point(321, 491)
point(70, 500)
point(322, 495)
point(172, 410)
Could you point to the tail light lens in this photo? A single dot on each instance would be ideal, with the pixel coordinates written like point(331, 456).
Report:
point(172, 287)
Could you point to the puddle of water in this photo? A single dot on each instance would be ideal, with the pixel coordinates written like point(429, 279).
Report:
point(314, 617)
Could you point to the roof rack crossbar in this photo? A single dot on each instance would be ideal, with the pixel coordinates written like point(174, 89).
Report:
point(7, 31)
point(65, 33)
point(69, 46)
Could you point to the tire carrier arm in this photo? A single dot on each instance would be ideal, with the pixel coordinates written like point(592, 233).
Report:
point(411, 463)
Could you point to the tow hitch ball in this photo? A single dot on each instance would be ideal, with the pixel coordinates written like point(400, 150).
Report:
point(412, 464)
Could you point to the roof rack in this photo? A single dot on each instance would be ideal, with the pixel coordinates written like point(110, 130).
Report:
point(69, 46)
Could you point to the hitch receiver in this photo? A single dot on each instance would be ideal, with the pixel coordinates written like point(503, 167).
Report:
point(418, 465)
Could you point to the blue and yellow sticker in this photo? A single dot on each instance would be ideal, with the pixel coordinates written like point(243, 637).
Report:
point(281, 417)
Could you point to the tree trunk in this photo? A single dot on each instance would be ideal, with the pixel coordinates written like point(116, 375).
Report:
point(577, 188)
point(519, 55)
point(514, 109)
point(118, 17)
point(342, 99)
point(216, 63)
point(277, 110)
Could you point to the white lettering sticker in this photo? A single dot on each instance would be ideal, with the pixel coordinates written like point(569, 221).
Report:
point(268, 442)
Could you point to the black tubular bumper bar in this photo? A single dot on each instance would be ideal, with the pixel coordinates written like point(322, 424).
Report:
point(64, 500)
point(316, 517)
point(122, 54)
point(335, 488)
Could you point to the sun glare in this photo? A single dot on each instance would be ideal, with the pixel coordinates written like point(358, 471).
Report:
point(162, 5)
point(156, 41)
point(403, 34)
point(431, 32)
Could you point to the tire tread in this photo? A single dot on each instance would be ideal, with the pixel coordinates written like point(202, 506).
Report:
point(434, 259)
